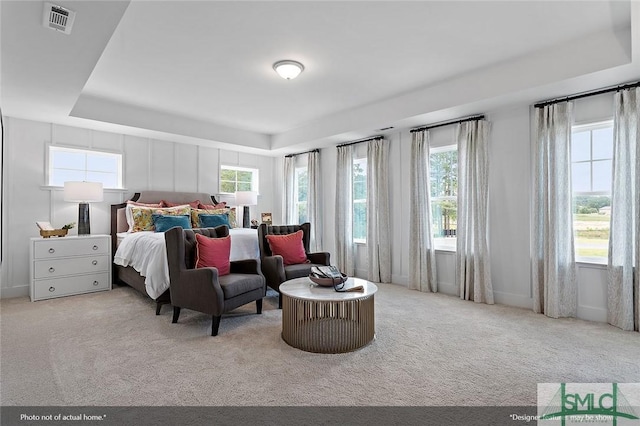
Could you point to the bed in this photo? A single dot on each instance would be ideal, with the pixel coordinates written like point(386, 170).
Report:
point(139, 258)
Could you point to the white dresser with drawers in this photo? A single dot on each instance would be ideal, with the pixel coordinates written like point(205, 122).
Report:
point(69, 265)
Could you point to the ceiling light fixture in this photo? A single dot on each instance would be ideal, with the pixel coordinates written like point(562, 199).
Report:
point(288, 69)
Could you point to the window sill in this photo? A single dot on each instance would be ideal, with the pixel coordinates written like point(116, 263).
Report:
point(61, 188)
point(360, 242)
point(592, 261)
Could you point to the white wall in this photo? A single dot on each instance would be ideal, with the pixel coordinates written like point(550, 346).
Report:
point(509, 209)
point(148, 165)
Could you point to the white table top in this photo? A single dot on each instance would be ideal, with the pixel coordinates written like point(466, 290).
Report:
point(304, 288)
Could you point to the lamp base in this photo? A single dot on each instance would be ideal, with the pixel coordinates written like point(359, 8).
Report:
point(84, 227)
point(246, 221)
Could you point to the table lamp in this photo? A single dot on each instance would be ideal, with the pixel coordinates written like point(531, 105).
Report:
point(83, 193)
point(246, 199)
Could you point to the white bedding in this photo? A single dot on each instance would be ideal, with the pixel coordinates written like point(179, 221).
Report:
point(145, 252)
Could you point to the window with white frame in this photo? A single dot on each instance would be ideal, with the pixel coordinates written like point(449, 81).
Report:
point(301, 186)
point(72, 164)
point(443, 166)
point(360, 200)
point(233, 178)
point(591, 167)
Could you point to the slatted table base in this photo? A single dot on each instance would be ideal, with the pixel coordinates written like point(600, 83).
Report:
point(324, 326)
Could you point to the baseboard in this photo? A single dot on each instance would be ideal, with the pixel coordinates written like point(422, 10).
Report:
point(590, 313)
point(400, 279)
point(511, 299)
point(11, 292)
point(448, 288)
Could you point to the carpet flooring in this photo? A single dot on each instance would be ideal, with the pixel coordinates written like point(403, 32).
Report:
point(430, 350)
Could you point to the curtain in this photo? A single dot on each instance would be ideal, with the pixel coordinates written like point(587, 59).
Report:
point(289, 205)
point(378, 239)
point(314, 211)
point(344, 210)
point(623, 295)
point(422, 256)
point(473, 272)
point(553, 257)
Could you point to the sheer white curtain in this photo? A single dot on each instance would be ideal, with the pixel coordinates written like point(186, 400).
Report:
point(624, 240)
point(553, 258)
point(289, 201)
point(378, 224)
point(473, 272)
point(422, 255)
point(344, 210)
point(314, 211)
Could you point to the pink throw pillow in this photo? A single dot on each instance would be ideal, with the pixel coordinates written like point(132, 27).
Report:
point(221, 205)
point(288, 246)
point(213, 252)
point(137, 204)
point(192, 204)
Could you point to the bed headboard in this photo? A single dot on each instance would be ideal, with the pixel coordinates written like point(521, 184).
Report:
point(119, 220)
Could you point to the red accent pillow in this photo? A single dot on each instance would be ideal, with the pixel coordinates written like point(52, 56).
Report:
point(221, 205)
point(192, 204)
point(213, 252)
point(288, 246)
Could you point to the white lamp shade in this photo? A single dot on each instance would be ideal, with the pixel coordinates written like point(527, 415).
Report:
point(83, 192)
point(246, 198)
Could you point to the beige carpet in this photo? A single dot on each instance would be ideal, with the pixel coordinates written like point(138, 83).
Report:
point(110, 349)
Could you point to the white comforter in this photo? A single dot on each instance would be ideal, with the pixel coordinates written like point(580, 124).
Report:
point(145, 252)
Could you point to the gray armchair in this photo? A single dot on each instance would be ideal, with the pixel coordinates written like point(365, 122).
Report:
point(202, 289)
point(274, 269)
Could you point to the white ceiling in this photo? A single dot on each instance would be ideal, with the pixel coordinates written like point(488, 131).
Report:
point(201, 70)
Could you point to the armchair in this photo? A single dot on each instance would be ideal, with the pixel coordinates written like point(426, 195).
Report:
point(273, 267)
point(202, 289)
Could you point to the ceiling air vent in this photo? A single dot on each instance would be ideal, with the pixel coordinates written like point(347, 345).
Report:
point(58, 18)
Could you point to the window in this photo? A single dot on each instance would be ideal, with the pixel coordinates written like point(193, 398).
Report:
point(69, 164)
point(234, 179)
point(301, 186)
point(360, 200)
point(443, 165)
point(591, 162)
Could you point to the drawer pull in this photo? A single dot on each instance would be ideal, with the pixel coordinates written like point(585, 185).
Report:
point(52, 250)
point(95, 247)
point(96, 283)
point(95, 262)
point(52, 269)
point(52, 289)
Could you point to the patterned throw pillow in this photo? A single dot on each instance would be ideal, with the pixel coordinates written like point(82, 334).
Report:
point(132, 204)
point(143, 216)
point(195, 213)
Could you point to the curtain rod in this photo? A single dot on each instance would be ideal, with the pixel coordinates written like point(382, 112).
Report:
point(373, 138)
point(448, 123)
point(302, 153)
point(587, 94)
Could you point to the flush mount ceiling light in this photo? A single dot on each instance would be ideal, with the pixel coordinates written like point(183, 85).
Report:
point(288, 69)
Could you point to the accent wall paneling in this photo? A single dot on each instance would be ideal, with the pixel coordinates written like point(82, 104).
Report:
point(161, 164)
point(147, 164)
point(185, 168)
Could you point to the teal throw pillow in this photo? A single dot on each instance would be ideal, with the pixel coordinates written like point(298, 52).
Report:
point(213, 220)
point(164, 222)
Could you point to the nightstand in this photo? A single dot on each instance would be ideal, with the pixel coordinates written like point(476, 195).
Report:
point(69, 265)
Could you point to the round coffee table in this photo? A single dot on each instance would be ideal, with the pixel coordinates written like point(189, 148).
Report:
point(320, 319)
